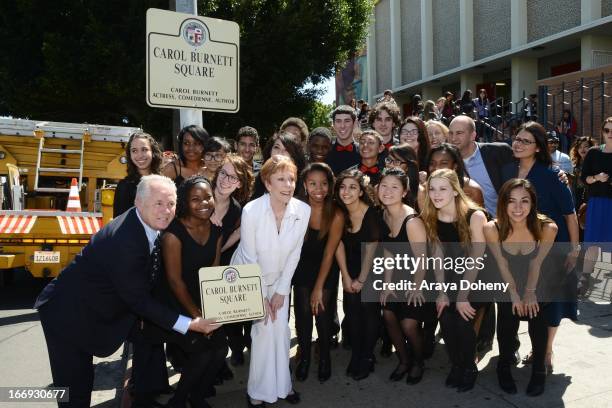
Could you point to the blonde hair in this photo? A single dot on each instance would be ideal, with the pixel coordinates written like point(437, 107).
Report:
point(439, 124)
point(463, 204)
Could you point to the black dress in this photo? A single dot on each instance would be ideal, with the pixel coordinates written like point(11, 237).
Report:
point(363, 316)
point(125, 193)
point(304, 279)
point(311, 257)
point(229, 222)
point(508, 323)
point(201, 365)
point(399, 305)
point(458, 334)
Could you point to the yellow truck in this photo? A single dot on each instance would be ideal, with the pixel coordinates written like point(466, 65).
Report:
point(37, 163)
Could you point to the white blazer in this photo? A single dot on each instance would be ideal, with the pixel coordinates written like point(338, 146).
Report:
point(277, 253)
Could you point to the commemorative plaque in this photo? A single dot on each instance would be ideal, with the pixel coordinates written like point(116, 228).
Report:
point(232, 293)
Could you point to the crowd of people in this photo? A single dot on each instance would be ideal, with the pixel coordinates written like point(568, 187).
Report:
point(303, 214)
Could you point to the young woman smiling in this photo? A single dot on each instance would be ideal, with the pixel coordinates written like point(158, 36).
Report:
point(316, 275)
point(189, 243)
point(363, 224)
point(520, 239)
point(404, 316)
point(454, 228)
point(143, 158)
point(191, 140)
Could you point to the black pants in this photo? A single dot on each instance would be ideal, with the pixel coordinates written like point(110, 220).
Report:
point(238, 335)
point(507, 328)
point(149, 373)
point(459, 337)
point(303, 322)
point(363, 324)
point(71, 367)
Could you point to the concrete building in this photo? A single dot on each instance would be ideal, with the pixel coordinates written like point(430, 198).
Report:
point(504, 46)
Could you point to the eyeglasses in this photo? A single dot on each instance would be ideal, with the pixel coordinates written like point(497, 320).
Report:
point(232, 179)
point(390, 160)
point(214, 157)
point(522, 141)
point(606, 130)
point(413, 132)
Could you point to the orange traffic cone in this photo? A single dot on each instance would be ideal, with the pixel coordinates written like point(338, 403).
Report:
point(74, 202)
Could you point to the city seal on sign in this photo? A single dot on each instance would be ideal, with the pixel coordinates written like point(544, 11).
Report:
point(230, 275)
point(194, 33)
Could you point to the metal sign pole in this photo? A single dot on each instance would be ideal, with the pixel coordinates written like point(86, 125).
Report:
point(188, 116)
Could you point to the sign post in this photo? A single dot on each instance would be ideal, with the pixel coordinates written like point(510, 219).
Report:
point(192, 62)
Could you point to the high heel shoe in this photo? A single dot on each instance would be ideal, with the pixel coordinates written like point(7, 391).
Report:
point(536, 383)
point(454, 377)
point(302, 369)
point(468, 380)
point(293, 398)
point(324, 370)
point(365, 367)
point(504, 377)
point(416, 374)
point(400, 371)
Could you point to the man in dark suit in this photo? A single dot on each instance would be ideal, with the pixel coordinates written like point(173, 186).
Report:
point(91, 307)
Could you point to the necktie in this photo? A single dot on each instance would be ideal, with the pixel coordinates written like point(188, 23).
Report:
point(347, 148)
point(368, 170)
point(155, 259)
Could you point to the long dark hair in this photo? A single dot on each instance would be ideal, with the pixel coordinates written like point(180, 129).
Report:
point(329, 207)
point(294, 149)
point(539, 135)
point(422, 139)
point(407, 154)
point(156, 152)
point(366, 188)
point(455, 155)
point(574, 155)
point(182, 194)
point(535, 220)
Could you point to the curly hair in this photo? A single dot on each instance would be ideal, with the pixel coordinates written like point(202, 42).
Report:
point(390, 107)
point(183, 191)
point(422, 138)
point(156, 152)
point(368, 196)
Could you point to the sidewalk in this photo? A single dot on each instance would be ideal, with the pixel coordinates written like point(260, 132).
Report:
point(583, 357)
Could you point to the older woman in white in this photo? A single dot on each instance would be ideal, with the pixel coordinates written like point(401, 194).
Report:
point(272, 231)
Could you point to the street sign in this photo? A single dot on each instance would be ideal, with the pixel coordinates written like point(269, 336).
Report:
point(192, 62)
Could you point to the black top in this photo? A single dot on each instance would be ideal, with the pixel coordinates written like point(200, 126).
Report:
point(178, 180)
point(193, 257)
point(448, 234)
point(373, 229)
point(374, 172)
point(125, 193)
point(595, 162)
point(402, 235)
point(230, 223)
point(340, 159)
point(310, 261)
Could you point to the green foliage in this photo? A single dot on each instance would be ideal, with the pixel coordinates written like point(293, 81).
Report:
point(318, 115)
point(84, 60)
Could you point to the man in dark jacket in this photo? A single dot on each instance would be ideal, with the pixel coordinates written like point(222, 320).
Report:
point(91, 307)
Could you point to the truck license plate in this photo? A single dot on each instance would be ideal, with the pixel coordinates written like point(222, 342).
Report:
point(46, 257)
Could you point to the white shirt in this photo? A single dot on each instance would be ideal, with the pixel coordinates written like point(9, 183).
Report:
point(277, 253)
